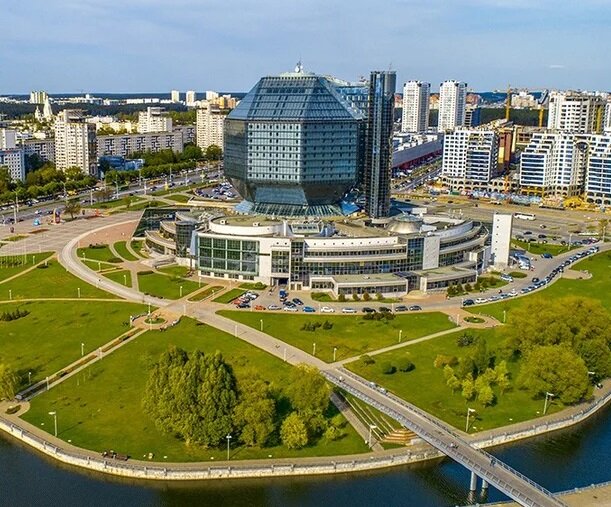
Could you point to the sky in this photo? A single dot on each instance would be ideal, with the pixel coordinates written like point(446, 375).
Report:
point(159, 45)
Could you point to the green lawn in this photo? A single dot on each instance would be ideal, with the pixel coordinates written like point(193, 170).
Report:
point(540, 248)
point(137, 245)
point(114, 203)
point(352, 335)
point(163, 286)
point(100, 408)
point(179, 198)
point(425, 385)
point(179, 271)
point(15, 264)
point(209, 291)
point(100, 253)
point(124, 277)
point(229, 296)
point(253, 286)
point(51, 282)
point(121, 248)
point(100, 266)
point(50, 337)
point(596, 287)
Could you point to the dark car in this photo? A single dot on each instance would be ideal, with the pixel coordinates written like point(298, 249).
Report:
point(468, 302)
point(368, 310)
point(297, 301)
point(384, 309)
point(400, 308)
point(415, 308)
point(244, 305)
point(535, 280)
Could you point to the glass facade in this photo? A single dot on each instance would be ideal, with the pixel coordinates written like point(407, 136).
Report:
point(232, 256)
point(294, 140)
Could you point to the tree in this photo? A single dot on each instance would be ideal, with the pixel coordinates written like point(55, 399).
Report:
point(8, 382)
point(405, 365)
point(502, 376)
point(556, 369)
point(596, 355)
point(74, 173)
point(387, 368)
point(214, 152)
point(341, 298)
point(255, 413)
point(482, 356)
point(192, 152)
point(5, 179)
point(192, 396)
point(454, 383)
point(73, 206)
point(293, 433)
point(379, 296)
point(366, 296)
point(103, 194)
point(355, 296)
point(603, 225)
point(468, 387)
point(307, 390)
point(485, 395)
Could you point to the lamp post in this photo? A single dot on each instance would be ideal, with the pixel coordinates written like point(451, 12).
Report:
point(334, 353)
point(400, 335)
point(10, 294)
point(371, 428)
point(228, 437)
point(261, 321)
point(54, 414)
point(504, 316)
point(469, 412)
point(82, 349)
point(314, 349)
point(30, 377)
point(125, 280)
point(78, 291)
point(181, 291)
point(547, 395)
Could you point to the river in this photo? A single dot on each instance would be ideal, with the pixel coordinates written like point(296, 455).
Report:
point(559, 461)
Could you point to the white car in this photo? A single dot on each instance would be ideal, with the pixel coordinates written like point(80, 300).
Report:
point(512, 293)
point(327, 309)
point(290, 308)
point(480, 300)
point(348, 310)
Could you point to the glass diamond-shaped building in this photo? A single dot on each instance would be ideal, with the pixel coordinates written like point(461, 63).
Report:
point(293, 145)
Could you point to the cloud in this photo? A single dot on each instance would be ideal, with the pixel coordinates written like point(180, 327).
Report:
point(556, 66)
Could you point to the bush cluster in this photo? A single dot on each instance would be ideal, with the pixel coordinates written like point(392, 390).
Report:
point(15, 315)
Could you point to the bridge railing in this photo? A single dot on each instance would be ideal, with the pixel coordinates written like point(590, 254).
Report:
point(424, 433)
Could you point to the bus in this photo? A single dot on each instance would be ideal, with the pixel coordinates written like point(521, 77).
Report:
point(524, 216)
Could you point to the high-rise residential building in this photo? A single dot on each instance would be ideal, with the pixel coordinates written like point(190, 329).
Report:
point(8, 139)
point(38, 97)
point(500, 240)
point(124, 145)
point(13, 159)
point(452, 105)
point(470, 158)
point(75, 142)
point(576, 112)
point(292, 144)
point(210, 125)
point(211, 95)
point(598, 171)
point(378, 143)
point(154, 119)
point(190, 98)
point(415, 117)
point(473, 116)
point(607, 122)
point(175, 96)
point(44, 148)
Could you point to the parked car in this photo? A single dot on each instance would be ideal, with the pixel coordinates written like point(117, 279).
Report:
point(243, 305)
point(327, 309)
point(384, 309)
point(259, 307)
point(468, 302)
point(297, 301)
point(506, 277)
point(415, 308)
point(547, 255)
point(309, 309)
point(290, 308)
point(479, 301)
point(274, 307)
point(368, 310)
point(400, 308)
point(348, 310)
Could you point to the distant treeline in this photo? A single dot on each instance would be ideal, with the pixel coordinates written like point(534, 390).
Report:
point(527, 117)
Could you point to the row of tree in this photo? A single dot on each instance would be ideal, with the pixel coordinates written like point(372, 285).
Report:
point(198, 398)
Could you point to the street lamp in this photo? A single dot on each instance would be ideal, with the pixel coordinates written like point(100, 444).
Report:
point(261, 325)
point(82, 349)
point(314, 349)
point(30, 377)
point(547, 395)
point(228, 437)
point(125, 280)
point(78, 291)
point(371, 428)
point(54, 414)
point(469, 412)
point(400, 335)
point(334, 352)
point(504, 316)
point(181, 291)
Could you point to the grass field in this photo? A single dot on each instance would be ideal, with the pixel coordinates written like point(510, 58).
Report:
point(209, 291)
point(114, 203)
point(540, 248)
point(100, 266)
point(50, 337)
point(164, 286)
point(229, 296)
point(124, 277)
point(179, 271)
point(100, 408)
point(137, 245)
point(181, 198)
point(121, 248)
point(596, 287)
point(7, 270)
point(351, 334)
point(102, 253)
point(51, 282)
point(425, 385)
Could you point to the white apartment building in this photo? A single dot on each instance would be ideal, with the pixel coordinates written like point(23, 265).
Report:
point(607, 122)
point(38, 97)
point(500, 243)
point(44, 148)
point(470, 159)
point(8, 139)
point(576, 112)
point(13, 159)
point(210, 124)
point(452, 103)
point(554, 164)
point(154, 120)
point(124, 145)
point(415, 117)
point(211, 95)
point(175, 96)
point(598, 171)
point(190, 98)
point(75, 142)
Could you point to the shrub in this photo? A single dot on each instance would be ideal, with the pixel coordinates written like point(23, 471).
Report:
point(341, 298)
point(468, 287)
point(465, 339)
point(519, 274)
point(386, 368)
point(367, 360)
point(379, 296)
point(146, 272)
point(442, 360)
point(115, 260)
point(327, 325)
point(388, 315)
point(366, 296)
point(13, 410)
point(405, 365)
point(355, 297)
point(15, 315)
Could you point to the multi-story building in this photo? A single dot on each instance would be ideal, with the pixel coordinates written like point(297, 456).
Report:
point(44, 148)
point(415, 116)
point(378, 143)
point(75, 142)
point(8, 139)
point(125, 145)
point(470, 159)
point(607, 123)
point(175, 96)
point(452, 104)
point(576, 112)
point(210, 126)
point(38, 97)
point(293, 144)
point(154, 120)
point(598, 171)
point(211, 95)
point(13, 159)
point(473, 116)
point(190, 98)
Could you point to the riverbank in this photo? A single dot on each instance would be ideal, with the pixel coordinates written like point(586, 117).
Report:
point(597, 495)
point(83, 458)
